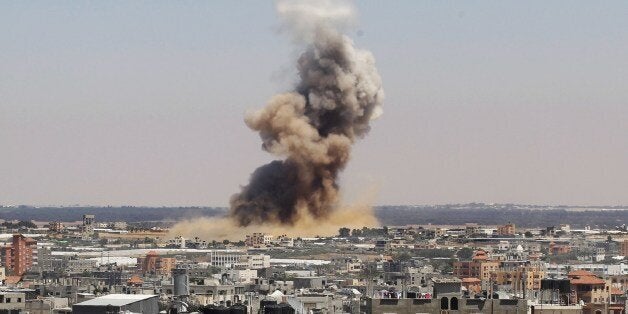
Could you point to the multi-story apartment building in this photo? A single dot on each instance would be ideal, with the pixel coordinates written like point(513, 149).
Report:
point(20, 255)
point(44, 259)
point(258, 239)
point(238, 260)
point(591, 290)
point(177, 242)
point(506, 230)
point(519, 278)
point(87, 229)
point(55, 226)
point(72, 265)
point(479, 267)
point(152, 263)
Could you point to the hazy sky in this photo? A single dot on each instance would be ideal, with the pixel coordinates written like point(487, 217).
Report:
point(142, 103)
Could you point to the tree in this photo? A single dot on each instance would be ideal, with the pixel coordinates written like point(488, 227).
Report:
point(20, 224)
point(344, 232)
point(356, 232)
point(528, 234)
point(465, 253)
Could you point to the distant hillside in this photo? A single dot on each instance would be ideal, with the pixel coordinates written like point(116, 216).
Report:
point(521, 215)
point(129, 214)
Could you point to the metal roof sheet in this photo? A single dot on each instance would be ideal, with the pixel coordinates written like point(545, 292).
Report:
point(117, 299)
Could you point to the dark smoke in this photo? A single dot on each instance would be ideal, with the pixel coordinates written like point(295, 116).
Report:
point(313, 127)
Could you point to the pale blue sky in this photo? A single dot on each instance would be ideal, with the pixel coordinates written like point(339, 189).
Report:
point(142, 103)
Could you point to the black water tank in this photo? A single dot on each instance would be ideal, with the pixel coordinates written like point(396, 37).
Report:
point(238, 309)
point(211, 309)
point(282, 308)
point(264, 303)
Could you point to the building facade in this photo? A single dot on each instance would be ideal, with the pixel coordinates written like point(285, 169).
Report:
point(152, 263)
point(19, 255)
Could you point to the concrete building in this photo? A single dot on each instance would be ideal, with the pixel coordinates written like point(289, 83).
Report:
point(19, 256)
point(506, 230)
point(239, 260)
point(346, 264)
point(471, 229)
point(48, 305)
point(212, 292)
point(284, 240)
point(72, 264)
point(55, 226)
point(152, 263)
point(177, 242)
point(119, 225)
point(242, 275)
point(590, 290)
point(313, 282)
point(315, 303)
point(518, 279)
point(258, 239)
point(557, 249)
point(479, 267)
point(87, 229)
point(603, 269)
point(454, 304)
point(555, 309)
point(473, 286)
point(197, 243)
point(12, 302)
point(44, 259)
point(118, 303)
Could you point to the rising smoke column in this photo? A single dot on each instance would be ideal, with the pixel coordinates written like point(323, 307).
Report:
point(313, 127)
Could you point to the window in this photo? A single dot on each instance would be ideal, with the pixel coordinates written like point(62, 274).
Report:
point(444, 304)
point(454, 304)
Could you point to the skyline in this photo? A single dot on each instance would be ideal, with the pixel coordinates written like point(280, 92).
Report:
point(138, 104)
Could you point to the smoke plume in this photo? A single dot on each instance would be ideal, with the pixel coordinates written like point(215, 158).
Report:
point(312, 128)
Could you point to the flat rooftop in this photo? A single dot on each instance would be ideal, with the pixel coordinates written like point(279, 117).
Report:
point(117, 299)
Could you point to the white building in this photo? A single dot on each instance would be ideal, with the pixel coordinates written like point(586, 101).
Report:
point(239, 260)
point(120, 225)
point(242, 275)
point(178, 242)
